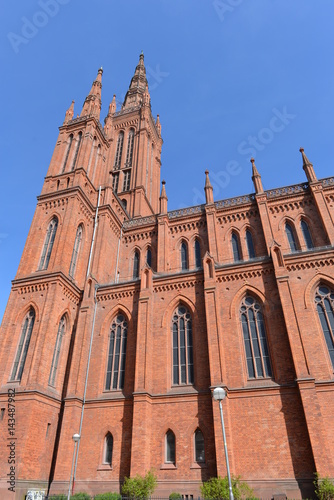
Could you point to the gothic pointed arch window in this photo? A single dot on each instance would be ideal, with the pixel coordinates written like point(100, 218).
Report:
point(170, 447)
point(56, 352)
point(77, 150)
point(198, 260)
point(290, 234)
point(119, 149)
point(182, 340)
point(76, 250)
point(108, 449)
point(126, 180)
point(306, 234)
point(115, 180)
point(129, 150)
point(250, 244)
point(235, 247)
point(255, 339)
point(199, 446)
point(136, 261)
point(69, 145)
point(184, 256)
point(116, 353)
point(324, 300)
point(48, 244)
point(149, 257)
point(22, 349)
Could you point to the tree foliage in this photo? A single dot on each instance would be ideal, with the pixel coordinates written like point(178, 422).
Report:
point(140, 486)
point(324, 488)
point(217, 488)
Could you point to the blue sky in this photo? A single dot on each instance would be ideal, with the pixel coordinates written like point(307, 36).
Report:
point(229, 78)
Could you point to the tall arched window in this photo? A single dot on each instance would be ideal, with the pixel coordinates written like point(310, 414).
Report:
point(126, 180)
point(199, 446)
point(136, 259)
point(170, 447)
point(56, 352)
point(119, 149)
point(108, 449)
point(198, 260)
point(250, 245)
point(257, 354)
point(48, 244)
point(115, 180)
point(324, 299)
point(183, 364)
point(306, 234)
point(129, 151)
point(116, 354)
point(21, 353)
point(291, 237)
point(70, 140)
point(184, 256)
point(149, 257)
point(76, 249)
point(77, 150)
point(235, 247)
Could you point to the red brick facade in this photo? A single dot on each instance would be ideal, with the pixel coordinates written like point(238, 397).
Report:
point(106, 180)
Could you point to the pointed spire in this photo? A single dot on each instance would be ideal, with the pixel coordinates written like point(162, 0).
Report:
point(163, 199)
point(112, 106)
point(92, 104)
point(308, 167)
point(256, 178)
point(208, 189)
point(69, 113)
point(158, 125)
point(138, 86)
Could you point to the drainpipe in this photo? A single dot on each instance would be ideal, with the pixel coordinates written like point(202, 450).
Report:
point(85, 389)
point(93, 239)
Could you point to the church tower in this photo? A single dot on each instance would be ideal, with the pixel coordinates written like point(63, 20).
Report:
point(98, 178)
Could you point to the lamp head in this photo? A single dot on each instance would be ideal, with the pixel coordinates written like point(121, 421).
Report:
point(218, 394)
point(76, 437)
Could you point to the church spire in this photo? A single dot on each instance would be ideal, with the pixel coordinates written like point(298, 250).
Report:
point(256, 178)
point(163, 199)
point(69, 113)
point(138, 88)
point(92, 104)
point(208, 189)
point(308, 167)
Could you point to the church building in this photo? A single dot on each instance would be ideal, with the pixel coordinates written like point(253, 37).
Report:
point(124, 316)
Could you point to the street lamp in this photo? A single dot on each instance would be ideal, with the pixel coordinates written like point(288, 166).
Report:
point(75, 438)
point(218, 395)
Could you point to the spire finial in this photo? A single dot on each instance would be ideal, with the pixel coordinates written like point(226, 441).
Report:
point(208, 189)
point(92, 104)
point(138, 85)
point(69, 113)
point(158, 124)
point(256, 178)
point(163, 198)
point(308, 167)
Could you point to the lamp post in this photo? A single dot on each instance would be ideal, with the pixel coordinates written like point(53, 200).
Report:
point(75, 438)
point(218, 395)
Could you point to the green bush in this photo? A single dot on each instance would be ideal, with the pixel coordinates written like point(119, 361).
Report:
point(139, 486)
point(108, 496)
point(175, 496)
point(324, 488)
point(217, 488)
point(80, 496)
